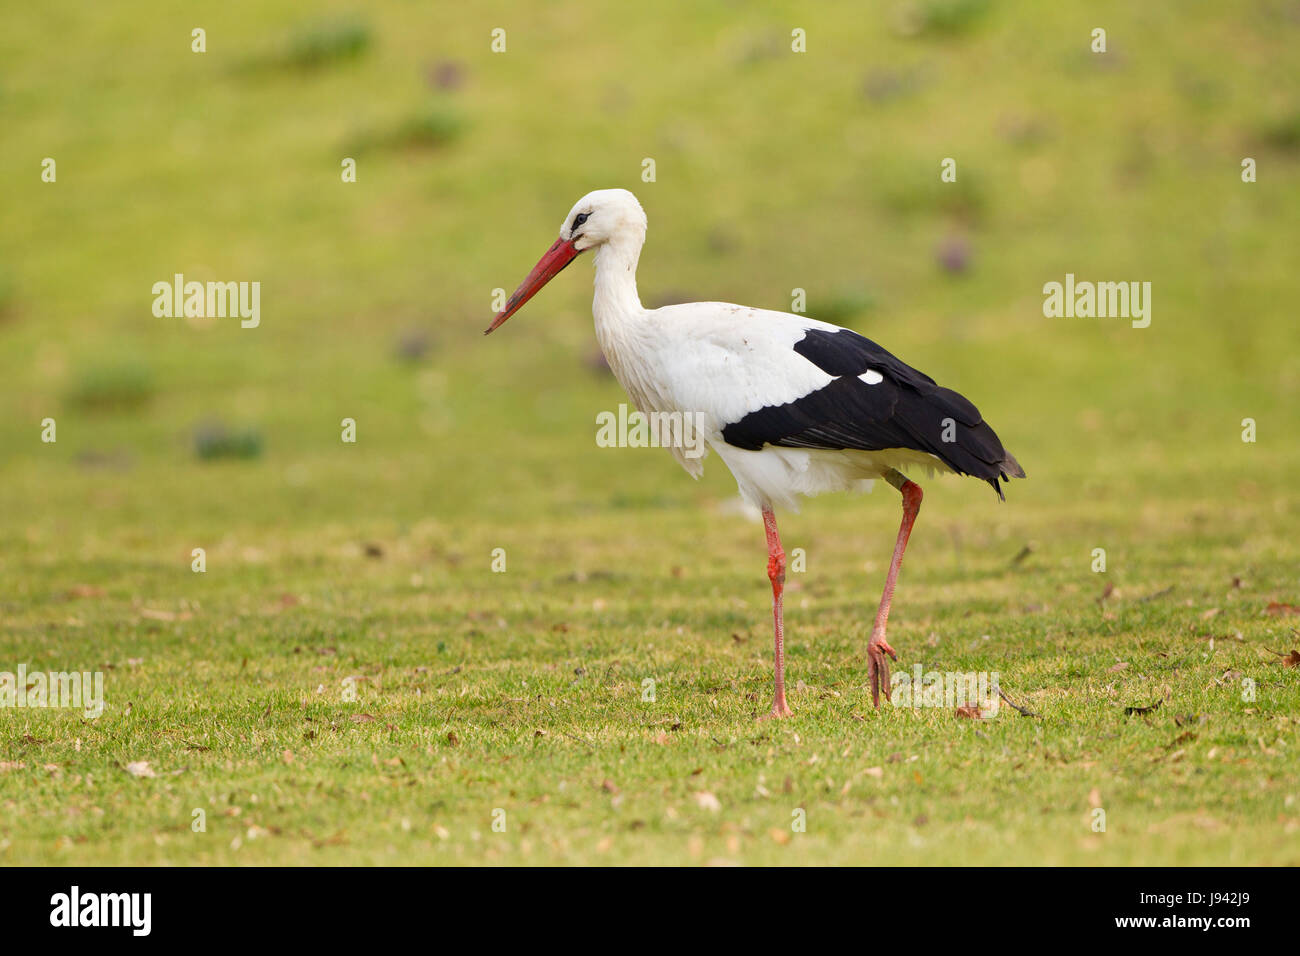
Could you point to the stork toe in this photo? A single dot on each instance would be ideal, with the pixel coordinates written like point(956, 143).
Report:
point(878, 668)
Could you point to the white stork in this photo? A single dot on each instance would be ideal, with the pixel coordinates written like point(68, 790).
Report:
point(793, 406)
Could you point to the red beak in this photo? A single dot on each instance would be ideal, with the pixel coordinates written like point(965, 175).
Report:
point(547, 268)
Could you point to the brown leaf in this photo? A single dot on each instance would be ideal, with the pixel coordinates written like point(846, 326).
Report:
point(83, 591)
point(1278, 609)
point(452, 738)
point(363, 718)
point(969, 711)
point(609, 786)
point(1288, 660)
point(1120, 666)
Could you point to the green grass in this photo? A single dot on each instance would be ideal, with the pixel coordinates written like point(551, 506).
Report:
point(522, 691)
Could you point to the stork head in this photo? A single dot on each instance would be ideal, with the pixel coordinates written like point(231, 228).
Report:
point(601, 216)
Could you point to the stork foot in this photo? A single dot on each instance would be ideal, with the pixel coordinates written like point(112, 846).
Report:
point(779, 709)
point(878, 667)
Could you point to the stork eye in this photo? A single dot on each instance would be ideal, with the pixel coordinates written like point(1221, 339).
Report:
point(579, 219)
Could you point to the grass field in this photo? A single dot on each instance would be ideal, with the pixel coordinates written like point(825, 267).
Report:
point(499, 717)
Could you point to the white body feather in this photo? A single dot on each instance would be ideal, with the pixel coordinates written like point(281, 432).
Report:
point(715, 362)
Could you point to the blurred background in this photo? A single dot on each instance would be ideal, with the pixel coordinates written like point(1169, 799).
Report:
point(775, 170)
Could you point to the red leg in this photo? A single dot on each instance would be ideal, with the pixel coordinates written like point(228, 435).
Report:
point(878, 647)
point(776, 574)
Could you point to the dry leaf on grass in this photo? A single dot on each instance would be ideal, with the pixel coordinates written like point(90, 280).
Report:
point(140, 768)
point(1288, 660)
point(83, 591)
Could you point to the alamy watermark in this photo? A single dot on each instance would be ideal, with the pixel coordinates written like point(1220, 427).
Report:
point(1102, 300)
point(133, 911)
point(80, 690)
point(179, 299)
point(634, 429)
point(922, 688)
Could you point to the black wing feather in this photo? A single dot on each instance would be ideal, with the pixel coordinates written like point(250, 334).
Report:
point(906, 409)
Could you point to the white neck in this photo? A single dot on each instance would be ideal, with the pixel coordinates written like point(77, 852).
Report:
point(618, 313)
point(616, 302)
